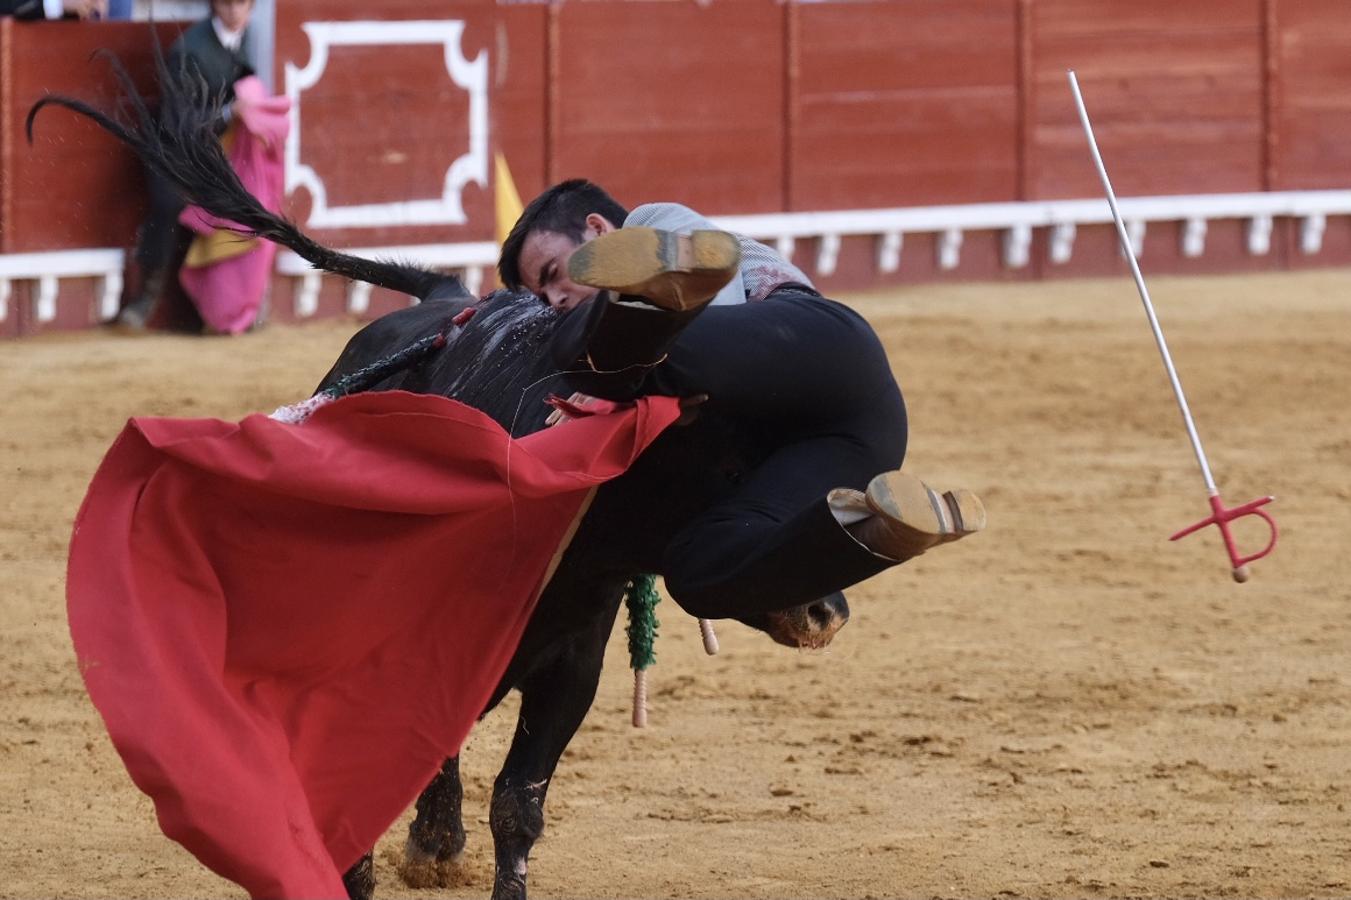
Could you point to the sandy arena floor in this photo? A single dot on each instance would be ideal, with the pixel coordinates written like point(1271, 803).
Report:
point(1065, 706)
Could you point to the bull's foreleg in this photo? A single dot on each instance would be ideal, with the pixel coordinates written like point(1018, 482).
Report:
point(360, 879)
point(436, 835)
point(435, 839)
point(554, 701)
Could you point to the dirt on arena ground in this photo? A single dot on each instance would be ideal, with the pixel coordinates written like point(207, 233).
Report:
point(1067, 705)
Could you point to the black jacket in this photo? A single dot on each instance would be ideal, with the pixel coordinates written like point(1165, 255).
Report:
point(200, 54)
point(22, 9)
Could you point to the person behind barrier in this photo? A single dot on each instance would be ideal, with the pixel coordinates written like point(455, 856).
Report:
point(829, 506)
point(54, 9)
point(212, 56)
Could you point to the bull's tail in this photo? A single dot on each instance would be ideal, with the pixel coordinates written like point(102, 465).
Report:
point(181, 145)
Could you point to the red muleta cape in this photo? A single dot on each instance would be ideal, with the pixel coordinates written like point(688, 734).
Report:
point(287, 628)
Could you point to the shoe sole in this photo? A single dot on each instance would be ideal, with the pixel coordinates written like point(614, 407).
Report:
point(922, 515)
point(676, 272)
point(129, 328)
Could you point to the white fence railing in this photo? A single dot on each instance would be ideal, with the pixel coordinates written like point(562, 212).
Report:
point(1015, 221)
point(49, 267)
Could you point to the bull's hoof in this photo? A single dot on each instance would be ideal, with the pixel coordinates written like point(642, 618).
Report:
point(420, 873)
point(509, 887)
point(419, 869)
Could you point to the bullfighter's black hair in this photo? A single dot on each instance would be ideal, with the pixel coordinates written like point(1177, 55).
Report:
point(563, 208)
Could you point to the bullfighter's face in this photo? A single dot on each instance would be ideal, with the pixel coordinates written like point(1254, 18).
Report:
point(544, 264)
point(233, 14)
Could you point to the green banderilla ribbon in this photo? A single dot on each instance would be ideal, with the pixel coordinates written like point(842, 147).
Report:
point(641, 598)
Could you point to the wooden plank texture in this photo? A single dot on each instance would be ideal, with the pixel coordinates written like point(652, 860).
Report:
point(519, 94)
point(905, 103)
point(673, 101)
point(1311, 95)
point(1174, 91)
point(75, 186)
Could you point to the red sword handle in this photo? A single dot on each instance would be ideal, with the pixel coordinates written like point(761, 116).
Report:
point(1220, 517)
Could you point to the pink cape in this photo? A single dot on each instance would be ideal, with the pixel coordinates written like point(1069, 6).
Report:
point(228, 291)
point(287, 628)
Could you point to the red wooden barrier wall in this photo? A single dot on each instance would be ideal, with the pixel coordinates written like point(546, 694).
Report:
point(75, 186)
point(678, 100)
point(745, 106)
point(891, 105)
point(1176, 95)
point(1309, 91)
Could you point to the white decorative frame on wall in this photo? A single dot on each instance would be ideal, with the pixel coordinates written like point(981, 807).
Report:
point(472, 76)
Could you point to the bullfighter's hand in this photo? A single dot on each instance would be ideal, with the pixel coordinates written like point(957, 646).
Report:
point(578, 399)
point(689, 408)
point(86, 9)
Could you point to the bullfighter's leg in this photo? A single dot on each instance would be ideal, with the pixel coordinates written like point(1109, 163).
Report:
point(554, 700)
point(816, 379)
point(436, 836)
point(156, 247)
point(828, 508)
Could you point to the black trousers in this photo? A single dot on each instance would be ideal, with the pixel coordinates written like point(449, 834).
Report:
point(808, 371)
point(158, 241)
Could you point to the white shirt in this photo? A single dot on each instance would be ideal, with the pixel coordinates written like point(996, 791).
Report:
point(762, 269)
point(230, 40)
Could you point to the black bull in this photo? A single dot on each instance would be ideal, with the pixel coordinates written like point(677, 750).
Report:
point(498, 363)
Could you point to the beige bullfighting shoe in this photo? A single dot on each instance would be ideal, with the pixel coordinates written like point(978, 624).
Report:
point(677, 272)
point(909, 517)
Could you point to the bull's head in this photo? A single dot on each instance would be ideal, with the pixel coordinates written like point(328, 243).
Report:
point(811, 626)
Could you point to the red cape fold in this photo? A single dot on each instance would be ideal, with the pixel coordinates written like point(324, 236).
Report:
point(287, 628)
